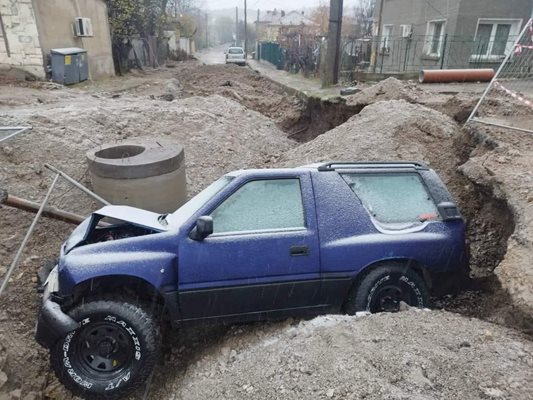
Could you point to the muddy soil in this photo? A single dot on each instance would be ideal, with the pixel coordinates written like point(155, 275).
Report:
point(227, 118)
point(416, 132)
point(218, 134)
point(411, 355)
point(245, 86)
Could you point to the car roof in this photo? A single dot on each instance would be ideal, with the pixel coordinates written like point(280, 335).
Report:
point(389, 166)
point(394, 164)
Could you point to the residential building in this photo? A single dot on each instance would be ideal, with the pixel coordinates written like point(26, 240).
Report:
point(29, 29)
point(273, 23)
point(418, 34)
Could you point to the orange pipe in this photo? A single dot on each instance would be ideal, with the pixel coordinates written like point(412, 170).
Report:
point(455, 75)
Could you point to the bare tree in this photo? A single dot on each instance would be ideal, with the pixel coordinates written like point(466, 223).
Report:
point(180, 7)
point(364, 12)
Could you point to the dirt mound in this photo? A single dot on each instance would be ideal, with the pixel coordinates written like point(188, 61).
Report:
point(250, 89)
point(398, 130)
point(371, 357)
point(502, 165)
point(218, 135)
point(388, 89)
point(384, 130)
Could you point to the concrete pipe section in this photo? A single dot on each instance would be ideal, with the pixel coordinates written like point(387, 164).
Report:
point(147, 176)
point(455, 75)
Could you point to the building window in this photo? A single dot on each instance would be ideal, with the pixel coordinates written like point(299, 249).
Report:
point(386, 38)
point(495, 38)
point(435, 38)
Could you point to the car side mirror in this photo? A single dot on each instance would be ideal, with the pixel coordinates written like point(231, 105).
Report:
point(203, 228)
point(449, 211)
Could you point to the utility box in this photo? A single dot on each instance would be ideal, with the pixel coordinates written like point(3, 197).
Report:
point(69, 65)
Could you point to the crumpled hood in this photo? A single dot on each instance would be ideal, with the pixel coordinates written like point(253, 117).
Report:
point(136, 216)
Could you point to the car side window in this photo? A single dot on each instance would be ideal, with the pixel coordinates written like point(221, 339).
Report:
point(261, 205)
point(394, 198)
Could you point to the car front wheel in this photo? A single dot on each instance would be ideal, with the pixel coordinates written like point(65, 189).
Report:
point(385, 287)
point(112, 352)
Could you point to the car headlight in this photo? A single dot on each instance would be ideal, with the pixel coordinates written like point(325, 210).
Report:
point(51, 284)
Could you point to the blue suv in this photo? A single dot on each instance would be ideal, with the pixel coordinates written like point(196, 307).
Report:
point(255, 244)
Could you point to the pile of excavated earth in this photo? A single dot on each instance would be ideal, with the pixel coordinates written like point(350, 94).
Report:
point(228, 118)
point(410, 355)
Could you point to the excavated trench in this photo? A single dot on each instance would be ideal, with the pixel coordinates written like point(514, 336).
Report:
point(490, 220)
point(319, 116)
point(305, 119)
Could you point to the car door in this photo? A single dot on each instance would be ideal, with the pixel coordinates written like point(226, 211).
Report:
point(263, 255)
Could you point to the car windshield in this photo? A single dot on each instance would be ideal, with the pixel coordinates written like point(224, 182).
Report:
point(236, 50)
point(183, 213)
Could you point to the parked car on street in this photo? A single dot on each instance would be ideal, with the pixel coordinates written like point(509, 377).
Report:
point(254, 245)
point(235, 55)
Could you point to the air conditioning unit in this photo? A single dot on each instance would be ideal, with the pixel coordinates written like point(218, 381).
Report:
point(83, 27)
point(407, 31)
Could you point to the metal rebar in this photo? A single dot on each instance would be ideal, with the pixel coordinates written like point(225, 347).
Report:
point(500, 125)
point(18, 129)
point(77, 184)
point(27, 237)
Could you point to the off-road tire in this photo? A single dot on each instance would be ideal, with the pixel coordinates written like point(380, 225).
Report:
point(136, 333)
point(382, 283)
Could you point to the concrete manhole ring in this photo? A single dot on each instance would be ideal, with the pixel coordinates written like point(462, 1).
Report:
point(145, 175)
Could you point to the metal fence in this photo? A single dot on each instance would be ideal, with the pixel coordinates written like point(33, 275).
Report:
point(508, 99)
point(414, 53)
point(138, 52)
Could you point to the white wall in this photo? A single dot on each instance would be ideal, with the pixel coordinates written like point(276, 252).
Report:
point(22, 38)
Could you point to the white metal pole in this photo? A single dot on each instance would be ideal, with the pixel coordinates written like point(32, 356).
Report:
point(473, 113)
point(27, 237)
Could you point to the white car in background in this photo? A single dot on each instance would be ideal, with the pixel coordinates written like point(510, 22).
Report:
point(235, 55)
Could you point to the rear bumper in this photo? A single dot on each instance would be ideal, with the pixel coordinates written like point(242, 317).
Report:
point(236, 61)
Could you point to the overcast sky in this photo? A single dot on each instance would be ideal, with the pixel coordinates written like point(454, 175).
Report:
point(267, 4)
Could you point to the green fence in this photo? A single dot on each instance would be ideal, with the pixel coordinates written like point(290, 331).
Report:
point(271, 52)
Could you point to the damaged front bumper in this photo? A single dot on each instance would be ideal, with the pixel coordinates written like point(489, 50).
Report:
point(52, 323)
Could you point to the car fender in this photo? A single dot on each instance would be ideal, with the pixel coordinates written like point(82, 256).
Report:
point(155, 267)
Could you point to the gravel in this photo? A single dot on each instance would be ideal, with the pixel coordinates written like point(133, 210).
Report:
point(409, 355)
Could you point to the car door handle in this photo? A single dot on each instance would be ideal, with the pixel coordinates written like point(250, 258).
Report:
point(297, 251)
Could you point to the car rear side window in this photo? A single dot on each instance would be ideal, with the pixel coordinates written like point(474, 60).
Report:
point(272, 204)
point(395, 198)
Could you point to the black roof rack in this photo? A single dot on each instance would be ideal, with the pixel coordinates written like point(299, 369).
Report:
point(332, 166)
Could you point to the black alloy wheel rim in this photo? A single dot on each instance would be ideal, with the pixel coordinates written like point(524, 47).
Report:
point(104, 349)
point(388, 298)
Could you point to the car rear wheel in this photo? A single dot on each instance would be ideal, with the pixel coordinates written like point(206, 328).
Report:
point(112, 352)
point(385, 287)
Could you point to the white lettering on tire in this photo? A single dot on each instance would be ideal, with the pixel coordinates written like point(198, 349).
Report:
point(416, 290)
point(113, 384)
point(403, 278)
point(374, 288)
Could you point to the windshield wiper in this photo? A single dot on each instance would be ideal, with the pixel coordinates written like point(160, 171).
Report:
point(162, 219)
